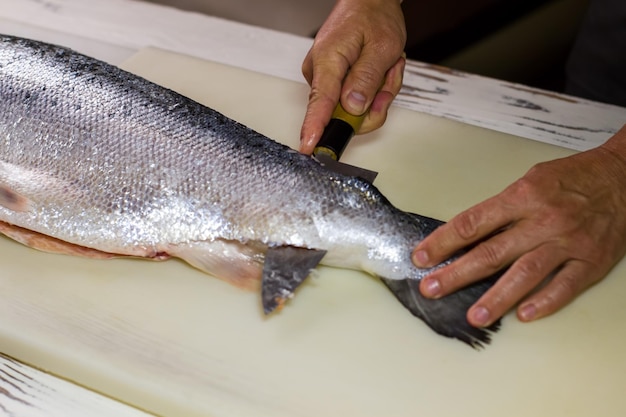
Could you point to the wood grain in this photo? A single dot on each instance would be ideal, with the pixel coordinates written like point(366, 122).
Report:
point(541, 115)
point(26, 391)
point(505, 107)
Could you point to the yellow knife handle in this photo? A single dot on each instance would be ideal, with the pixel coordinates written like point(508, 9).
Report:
point(337, 134)
point(354, 121)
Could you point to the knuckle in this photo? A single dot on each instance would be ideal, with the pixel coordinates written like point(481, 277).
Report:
point(567, 287)
point(317, 95)
point(379, 41)
point(366, 76)
point(523, 188)
point(454, 279)
point(372, 123)
point(314, 94)
point(307, 67)
point(307, 73)
point(466, 225)
point(538, 170)
point(529, 268)
point(490, 255)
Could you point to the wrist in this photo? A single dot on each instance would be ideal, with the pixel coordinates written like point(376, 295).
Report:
point(617, 144)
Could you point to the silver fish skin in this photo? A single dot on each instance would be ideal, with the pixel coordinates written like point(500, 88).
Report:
point(100, 158)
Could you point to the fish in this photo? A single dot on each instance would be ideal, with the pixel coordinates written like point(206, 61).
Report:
point(98, 162)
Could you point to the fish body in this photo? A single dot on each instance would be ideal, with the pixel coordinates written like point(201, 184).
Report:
point(94, 157)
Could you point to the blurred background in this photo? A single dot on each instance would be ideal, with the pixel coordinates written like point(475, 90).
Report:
point(525, 41)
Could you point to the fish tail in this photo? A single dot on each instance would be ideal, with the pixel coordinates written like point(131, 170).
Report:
point(446, 315)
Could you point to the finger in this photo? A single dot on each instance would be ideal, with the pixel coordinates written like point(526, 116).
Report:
point(462, 231)
point(320, 108)
point(394, 77)
point(326, 77)
point(366, 77)
point(574, 278)
point(384, 98)
point(318, 112)
point(523, 277)
point(307, 67)
point(482, 261)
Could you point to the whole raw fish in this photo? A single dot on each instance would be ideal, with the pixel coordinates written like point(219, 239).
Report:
point(100, 162)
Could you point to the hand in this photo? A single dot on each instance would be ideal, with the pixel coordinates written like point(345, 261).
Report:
point(358, 49)
point(562, 224)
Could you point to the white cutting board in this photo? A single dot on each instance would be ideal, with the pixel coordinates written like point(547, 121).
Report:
point(174, 341)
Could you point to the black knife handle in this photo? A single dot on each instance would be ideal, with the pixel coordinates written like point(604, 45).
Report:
point(335, 138)
point(338, 132)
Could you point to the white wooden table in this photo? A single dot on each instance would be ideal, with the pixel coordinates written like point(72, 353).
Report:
point(113, 30)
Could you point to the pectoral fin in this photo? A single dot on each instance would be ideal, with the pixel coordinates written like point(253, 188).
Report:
point(285, 268)
point(13, 200)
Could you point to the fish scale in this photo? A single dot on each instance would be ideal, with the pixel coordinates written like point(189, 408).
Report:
point(98, 158)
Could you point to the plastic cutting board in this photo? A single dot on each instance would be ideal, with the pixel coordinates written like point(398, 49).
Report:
point(174, 341)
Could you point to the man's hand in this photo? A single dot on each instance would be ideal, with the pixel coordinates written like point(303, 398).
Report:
point(358, 49)
point(560, 228)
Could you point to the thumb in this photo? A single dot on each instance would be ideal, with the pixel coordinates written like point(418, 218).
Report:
point(360, 87)
point(364, 79)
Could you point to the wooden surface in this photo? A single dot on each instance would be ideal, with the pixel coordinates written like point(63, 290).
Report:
point(169, 339)
point(27, 391)
point(506, 107)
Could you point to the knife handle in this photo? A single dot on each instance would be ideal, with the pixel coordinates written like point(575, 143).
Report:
point(337, 134)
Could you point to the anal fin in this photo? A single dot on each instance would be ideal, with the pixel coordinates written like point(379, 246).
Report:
point(285, 268)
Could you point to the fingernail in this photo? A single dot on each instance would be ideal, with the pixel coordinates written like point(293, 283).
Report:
point(420, 258)
point(356, 102)
point(527, 312)
point(432, 287)
point(479, 316)
point(307, 143)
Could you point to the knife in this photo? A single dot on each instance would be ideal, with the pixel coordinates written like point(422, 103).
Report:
point(286, 268)
point(336, 136)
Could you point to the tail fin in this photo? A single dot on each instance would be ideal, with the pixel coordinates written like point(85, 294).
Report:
point(447, 315)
